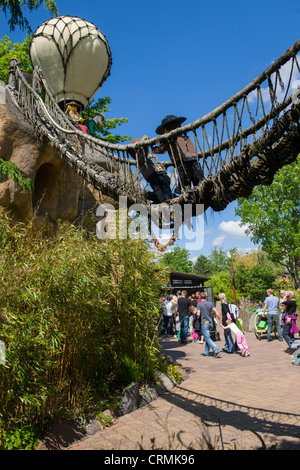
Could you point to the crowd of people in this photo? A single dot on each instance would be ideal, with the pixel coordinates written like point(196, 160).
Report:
point(287, 327)
point(196, 317)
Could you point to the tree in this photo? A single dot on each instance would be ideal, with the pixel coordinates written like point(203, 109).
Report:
point(9, 51)
point(178, 260)
point(220, 261)
point(272, 217)
point(254, 274)
point(203, 265)
point(15, 9)
point(222, 283)
point(253, 282)
point(101, 106)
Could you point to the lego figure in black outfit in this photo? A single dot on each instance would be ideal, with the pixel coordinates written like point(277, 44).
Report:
point(182, 153)
point(154, 173)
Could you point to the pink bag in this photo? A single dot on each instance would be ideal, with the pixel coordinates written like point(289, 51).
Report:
point(195, 335)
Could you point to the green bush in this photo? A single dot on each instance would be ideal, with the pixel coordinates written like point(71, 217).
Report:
point(23, 438)
point(74, 312)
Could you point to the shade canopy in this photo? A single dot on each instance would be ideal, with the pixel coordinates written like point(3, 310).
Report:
point(74, 57)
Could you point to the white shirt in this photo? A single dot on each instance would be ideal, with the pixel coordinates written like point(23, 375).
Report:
point(234, 328)
point(168, 309)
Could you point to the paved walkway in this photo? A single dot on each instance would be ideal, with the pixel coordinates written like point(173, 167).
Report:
point(223, 403)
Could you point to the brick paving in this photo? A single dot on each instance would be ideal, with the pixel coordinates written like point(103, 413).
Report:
point(221, 404)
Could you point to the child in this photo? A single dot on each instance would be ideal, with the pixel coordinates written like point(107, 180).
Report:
point(240, 337)
point(197, 326)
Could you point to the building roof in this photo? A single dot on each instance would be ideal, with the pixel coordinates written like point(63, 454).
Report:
point(190, 275)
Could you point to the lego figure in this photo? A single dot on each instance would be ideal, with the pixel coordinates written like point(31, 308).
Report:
point(154, 173)
point(182, 153)
point(72, 112)
point(98, 119)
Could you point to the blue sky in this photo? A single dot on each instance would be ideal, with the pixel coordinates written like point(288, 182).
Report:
point(172, 57)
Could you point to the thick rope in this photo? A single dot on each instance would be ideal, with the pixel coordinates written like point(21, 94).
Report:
point(233, 167)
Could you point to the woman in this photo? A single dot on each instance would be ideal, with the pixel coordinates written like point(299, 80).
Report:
point(229, 343)
point(168, 312)
point(290, 326)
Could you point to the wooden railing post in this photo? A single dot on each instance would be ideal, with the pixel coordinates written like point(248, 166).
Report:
point(12, 79)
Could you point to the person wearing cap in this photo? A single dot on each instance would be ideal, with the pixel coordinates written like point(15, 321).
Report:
point(154, 173)
point(182, 153)
point(72, 111)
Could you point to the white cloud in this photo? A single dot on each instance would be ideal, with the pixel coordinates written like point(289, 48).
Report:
point(230, 229)
point(289, 79)
point(219, 241)
point(233, 229)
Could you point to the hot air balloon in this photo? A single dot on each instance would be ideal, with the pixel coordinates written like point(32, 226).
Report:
point(74, 57)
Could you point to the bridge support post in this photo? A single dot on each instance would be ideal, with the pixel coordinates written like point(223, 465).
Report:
point(12, 80)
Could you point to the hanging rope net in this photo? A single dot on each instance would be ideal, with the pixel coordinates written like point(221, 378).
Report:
point(235, 147)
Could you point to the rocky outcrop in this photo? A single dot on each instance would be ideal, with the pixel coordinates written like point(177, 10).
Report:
point(59, 193)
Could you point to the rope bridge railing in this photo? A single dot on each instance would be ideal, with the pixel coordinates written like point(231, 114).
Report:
point(238, 145)
point(99, 166)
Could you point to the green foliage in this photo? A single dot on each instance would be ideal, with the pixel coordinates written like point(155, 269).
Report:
point(15, 9)
point(222, 283)
point(130, 369)
point(272, 216)
point(221, 260)
point(253, 282)
point(23, 438)
point(254, 274)
point(178, 260)
point(105, 420)
point(9, 51)
point(203, 265)
point(218, 260)
point(174, 372)
point(104, 130)
point(11, 171)
point(74, 311)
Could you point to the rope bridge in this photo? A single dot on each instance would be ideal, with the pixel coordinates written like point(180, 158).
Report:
point(238, 145)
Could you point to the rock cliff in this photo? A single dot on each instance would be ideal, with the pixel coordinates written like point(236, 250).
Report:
point(59, 193)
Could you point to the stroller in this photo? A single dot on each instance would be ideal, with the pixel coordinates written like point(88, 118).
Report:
point(261, 326)
point(214, 334)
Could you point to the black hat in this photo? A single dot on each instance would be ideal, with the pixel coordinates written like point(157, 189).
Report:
point(168, 120)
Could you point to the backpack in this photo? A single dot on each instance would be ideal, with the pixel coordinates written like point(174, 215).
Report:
point(234, 311)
